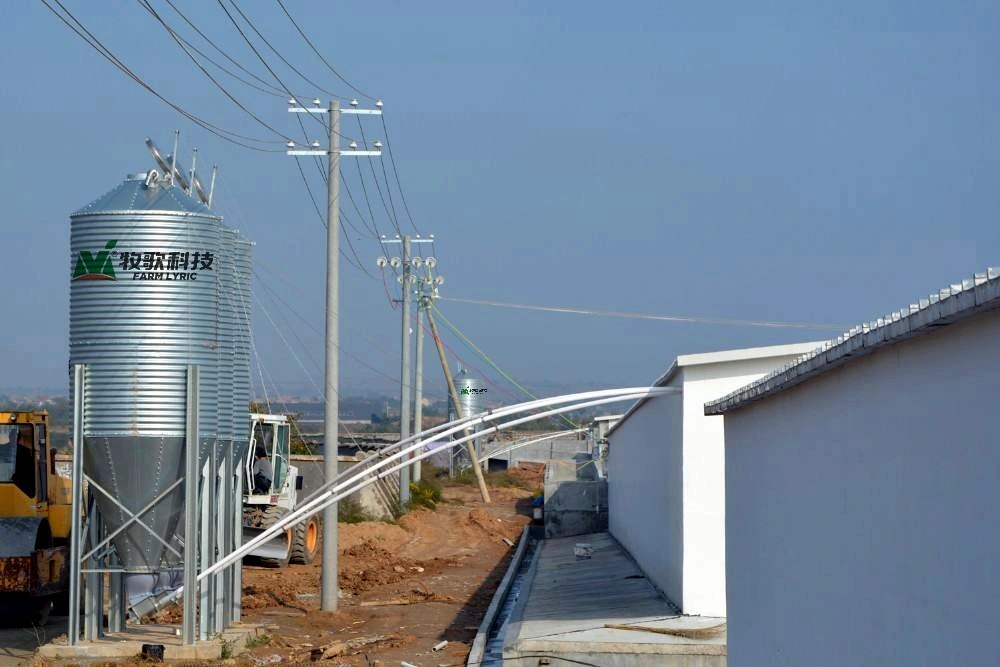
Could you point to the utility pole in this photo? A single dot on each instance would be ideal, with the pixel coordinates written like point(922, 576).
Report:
point(331, 420)
point(406, 263)
point(418, 383)
point(404, 386)
point(425, 292)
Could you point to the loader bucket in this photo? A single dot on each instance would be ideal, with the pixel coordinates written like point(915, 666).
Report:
point(278, 548)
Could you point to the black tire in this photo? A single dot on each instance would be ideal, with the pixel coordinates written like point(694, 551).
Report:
point(60, 603)
point(306, 543)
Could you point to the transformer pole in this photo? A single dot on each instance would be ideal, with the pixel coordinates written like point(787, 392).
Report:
point(404, 385)
point(331, 417)
point(407, 262)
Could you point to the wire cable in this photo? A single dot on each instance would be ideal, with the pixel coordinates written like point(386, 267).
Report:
point(356, 262)
point(465, 339)
point(316, 51)
point(205, 37)
point(232, 74)
point(170, 31)
point(645, 316)
point(83, 33)
point(371, 163)
point(253, 48)
point(395, 171)
point(278, 53)
point(274, 295)
point(371, 212)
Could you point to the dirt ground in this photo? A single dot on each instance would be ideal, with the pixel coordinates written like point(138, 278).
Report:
point(405, 586)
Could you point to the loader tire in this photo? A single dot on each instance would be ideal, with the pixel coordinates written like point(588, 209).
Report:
point(270, 517)
point(306, 543)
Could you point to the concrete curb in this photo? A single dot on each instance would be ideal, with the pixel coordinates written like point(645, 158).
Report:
point(479, 644)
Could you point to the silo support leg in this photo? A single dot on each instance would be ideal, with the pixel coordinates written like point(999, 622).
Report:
point(191, 476)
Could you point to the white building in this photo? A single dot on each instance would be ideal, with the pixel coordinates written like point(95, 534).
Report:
point(862, 487)
point(666, 496)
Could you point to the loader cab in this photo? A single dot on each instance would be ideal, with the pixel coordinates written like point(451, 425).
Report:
point(24, 463)
point(270, 433)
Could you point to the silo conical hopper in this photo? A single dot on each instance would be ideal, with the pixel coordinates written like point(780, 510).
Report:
point(144, 305)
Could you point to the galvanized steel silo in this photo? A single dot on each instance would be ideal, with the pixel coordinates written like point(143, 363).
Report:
point(143, 305)
point(471, 393)
point(242, 300)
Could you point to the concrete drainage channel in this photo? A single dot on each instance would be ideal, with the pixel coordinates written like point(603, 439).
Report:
point(487, 648)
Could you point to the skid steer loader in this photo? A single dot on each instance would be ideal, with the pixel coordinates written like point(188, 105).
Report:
point(34, 521)
point(268, 499)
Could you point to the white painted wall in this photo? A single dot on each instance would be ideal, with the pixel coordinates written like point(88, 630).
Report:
point(704, 480)
point(861, 510)
point(666, 483)
point(645, 509)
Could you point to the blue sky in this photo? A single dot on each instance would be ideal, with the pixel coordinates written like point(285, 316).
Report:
point(780, 161)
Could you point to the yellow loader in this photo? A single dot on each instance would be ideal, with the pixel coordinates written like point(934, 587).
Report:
point(35, 513)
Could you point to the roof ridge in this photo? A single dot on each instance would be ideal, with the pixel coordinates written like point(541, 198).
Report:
point(915, 318)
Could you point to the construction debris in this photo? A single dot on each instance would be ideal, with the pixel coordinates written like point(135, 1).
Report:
point(687, 633)
point(338, 648)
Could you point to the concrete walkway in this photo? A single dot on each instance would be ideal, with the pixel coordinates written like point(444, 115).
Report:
point(18, 645)
point(571, 601)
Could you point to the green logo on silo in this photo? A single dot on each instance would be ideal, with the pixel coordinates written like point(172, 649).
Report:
point(89, 267)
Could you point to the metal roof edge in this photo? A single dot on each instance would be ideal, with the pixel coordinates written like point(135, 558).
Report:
point(722, 356)
point(146, 211)
point(746, 353)
point(954, 303)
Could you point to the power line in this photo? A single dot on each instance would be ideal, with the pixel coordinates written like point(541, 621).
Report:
point(646, 316)
point(277, 53)
point(371, 213)
point(465, 339)
point(370, 227)
point(357, 260)
point(371, 163)
point(316, 51)
point(246, 39)
point(149, 8)
point(315, 329)
point(224, 54)
point(273, 92)
point(399, 185)
point(83, 33)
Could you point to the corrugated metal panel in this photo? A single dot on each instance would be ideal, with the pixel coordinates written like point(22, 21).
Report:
point(243, 274)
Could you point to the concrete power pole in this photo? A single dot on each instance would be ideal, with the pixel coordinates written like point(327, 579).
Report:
point(404, 385)
point(418, 382)
point(331, 427)
point(329, 593)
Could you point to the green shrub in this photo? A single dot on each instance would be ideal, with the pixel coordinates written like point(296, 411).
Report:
point(425, 493)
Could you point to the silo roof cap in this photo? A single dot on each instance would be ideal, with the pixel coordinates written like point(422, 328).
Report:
point(135, 195)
